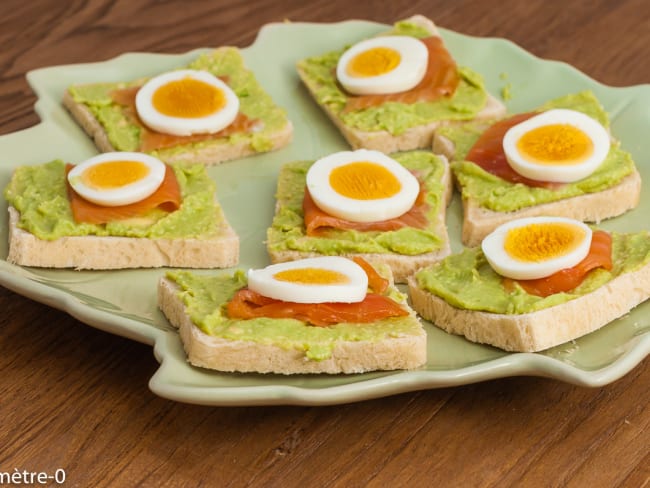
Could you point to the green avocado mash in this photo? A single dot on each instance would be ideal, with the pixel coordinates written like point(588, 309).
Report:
point(466, 280)
point(205, 298)
point(287, 231)
point(39, 193)
point(496, 194)
point(319, 74)
point(255, 103)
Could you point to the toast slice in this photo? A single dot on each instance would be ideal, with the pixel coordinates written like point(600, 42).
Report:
point(404, 250)
point(397, 343)
point(208, 240)
point(113, 127)
point(589, 307)
point(478, 221)
point(382, 133)
point(111, 252)
point(612, 190)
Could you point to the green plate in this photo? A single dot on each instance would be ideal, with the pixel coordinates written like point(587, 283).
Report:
point(124, 302)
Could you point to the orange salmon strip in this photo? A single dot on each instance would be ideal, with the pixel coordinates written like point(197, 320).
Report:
point(375, 282)
point(440, 80)
point(167, 197)
point(248, 304)
point(151, 140)
point(316, 220)
point(600, 255)
point(488, 153)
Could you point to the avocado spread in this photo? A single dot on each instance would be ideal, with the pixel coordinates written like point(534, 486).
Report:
point(496, 194)
point(39, 193)
point(227, 63)
point(468, 100)
point(205, 297)
point(287, 231)
point(466, 280)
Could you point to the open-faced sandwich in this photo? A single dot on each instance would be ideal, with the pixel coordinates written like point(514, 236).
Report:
point(558, 159)
point(117, 210)
point(213, 111)
point(535, 283)
point(319, 315)
point(391, 92)
point(388, 209)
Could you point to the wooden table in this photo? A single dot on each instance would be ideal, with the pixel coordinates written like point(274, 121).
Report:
point(76, 399)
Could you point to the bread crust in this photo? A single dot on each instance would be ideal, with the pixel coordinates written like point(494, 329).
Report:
point(417, 137)
point(443, 145)
point(110, 252)
point(401, 265)
point(208, 154)
point(205, 351)
point(478, 222)
point(540, 330)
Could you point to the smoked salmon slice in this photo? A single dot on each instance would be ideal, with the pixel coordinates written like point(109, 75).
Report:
point(375, 282)
point(600, 255)
point(440, 80)
point(151, 140)
point(487, 152)
point(167, 197)
point(248, 304)
point(317, 221)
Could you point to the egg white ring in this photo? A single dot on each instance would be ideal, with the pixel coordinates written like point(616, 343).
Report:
point(185, 126)
point(505, 265)
point(354, 210)
point(406, 75)
point(557, 173)
point(262, 282)
point(124, 195)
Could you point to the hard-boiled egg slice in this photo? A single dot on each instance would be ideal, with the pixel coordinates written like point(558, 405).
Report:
point(536, 247)
point(117, 178)
point(558, 145)
point(362, 186)
point(186, 102)
point(311, 280)
point(389, 64)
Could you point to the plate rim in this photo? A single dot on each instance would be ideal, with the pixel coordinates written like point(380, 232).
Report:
point(512, 364)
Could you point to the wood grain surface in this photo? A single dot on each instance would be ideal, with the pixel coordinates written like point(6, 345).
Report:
point(75, 398)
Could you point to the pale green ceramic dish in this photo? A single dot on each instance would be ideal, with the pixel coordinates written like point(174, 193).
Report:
point(124, 302)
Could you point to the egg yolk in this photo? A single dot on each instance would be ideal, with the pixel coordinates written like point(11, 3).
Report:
point(188, 98)
point(373, 62)
point(114, 174)
point(364, 180)
point(540, 242)
point(312, 276)
point(556, 144)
